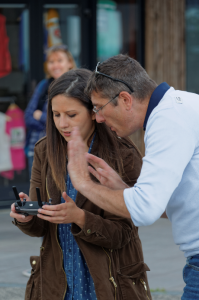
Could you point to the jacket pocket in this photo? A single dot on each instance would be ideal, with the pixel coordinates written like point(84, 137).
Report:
point(33, 288)
point(133, 282)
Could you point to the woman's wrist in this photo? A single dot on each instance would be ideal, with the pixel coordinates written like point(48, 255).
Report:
point(23, 221)
point(80, 218)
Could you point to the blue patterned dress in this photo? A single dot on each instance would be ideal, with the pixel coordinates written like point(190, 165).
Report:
point(80, 285)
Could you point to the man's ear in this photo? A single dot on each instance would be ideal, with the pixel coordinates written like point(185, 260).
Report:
point(127, 100)
point(93, 115)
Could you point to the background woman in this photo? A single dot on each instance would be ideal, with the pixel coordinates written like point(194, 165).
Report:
point(87, 253)
point(58, 61)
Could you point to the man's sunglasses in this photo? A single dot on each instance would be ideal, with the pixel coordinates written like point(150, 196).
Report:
point(114, 79)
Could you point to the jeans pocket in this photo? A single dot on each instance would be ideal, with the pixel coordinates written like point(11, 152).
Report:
point(193, 267)
point(191, 279)
point(193, 263)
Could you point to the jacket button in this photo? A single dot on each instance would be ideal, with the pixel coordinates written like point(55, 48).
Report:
point(88, 231)
point(34, 262)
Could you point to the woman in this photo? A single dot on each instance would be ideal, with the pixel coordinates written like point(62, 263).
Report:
point(58, 61)
point(87, 253)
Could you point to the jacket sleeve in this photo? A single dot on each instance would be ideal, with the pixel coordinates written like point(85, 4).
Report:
point(36, 227)
point(108, 230)
point(32, 123)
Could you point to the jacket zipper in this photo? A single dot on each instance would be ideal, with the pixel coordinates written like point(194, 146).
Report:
point(58, 242)
point(110, 274)
point(145, 287)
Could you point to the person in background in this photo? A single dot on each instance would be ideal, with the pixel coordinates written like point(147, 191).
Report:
point(86, 253)
point(58, 61)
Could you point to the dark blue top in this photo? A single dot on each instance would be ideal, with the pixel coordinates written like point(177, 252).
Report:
point(80, 285)
point(36, 128)
point(156, 96)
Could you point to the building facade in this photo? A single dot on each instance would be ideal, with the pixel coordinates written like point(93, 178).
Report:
point(161, 34)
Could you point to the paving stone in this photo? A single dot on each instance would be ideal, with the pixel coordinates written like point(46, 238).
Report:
point(161, 255)
point(10, 293)
point(165, 296)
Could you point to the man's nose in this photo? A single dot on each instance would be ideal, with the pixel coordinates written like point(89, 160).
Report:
point(99, 118)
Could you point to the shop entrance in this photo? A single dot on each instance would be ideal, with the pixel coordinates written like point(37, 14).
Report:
point(27, 29)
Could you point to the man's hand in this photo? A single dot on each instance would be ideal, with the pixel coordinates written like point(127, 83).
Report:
point(102, 196)
point(104, 173)
point(63, 213)
point(20, 218)
point(77, 164)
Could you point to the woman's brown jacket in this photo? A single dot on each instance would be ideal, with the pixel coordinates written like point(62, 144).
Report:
point(110, 244)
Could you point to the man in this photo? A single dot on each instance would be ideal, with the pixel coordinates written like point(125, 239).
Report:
point(126, 99)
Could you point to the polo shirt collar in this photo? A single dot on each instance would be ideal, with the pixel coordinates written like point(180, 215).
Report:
point(156, 96)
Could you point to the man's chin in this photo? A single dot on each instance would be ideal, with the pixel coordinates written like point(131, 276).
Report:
point(119, 134)
point(113, 130)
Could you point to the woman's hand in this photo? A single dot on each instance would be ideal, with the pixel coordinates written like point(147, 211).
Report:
point(37, 114)
point(104, 173)
point(63, 213)
point(20, 218)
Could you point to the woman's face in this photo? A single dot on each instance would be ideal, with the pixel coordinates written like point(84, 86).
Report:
point(68, 113)
point(58, 64)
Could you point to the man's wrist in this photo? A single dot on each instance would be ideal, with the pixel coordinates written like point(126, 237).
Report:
point(86, 186)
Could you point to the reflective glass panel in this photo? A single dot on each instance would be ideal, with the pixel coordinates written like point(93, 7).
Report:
point(116, 28)
point(192, 45)
point(62, 25)
point(14, 79)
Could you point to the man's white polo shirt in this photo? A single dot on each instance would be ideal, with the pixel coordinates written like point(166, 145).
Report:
point(169, 177)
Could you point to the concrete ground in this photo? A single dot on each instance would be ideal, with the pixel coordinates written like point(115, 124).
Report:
point(161, 254)
point(163, 257)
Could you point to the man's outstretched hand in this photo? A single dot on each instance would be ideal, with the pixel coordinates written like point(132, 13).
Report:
point(77, 164)
point(104, 173)
point(78, 169)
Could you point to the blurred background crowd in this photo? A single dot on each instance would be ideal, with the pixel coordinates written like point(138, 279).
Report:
point(40, 40)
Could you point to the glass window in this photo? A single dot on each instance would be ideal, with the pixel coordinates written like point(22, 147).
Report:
point(14, 79)
point(116, 28)
point(117, 32)
point(192, 45)
point(62, 25)
point(14, 64)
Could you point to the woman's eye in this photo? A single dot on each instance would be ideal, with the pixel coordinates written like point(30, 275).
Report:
point(72, 116)
point(56, 115)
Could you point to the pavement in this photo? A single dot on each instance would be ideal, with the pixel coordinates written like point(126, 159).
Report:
point(161, 255)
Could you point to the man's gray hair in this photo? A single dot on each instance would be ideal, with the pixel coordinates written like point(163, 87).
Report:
point(124, 68)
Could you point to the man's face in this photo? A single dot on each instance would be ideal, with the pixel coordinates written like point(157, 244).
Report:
point(115, 117)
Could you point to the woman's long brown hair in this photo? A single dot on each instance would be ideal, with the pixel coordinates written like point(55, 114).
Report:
point(72, 84)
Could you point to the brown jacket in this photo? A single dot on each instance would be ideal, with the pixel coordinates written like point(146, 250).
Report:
point(109, 244)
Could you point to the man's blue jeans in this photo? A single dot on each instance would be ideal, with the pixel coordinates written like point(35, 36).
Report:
point(191, 278)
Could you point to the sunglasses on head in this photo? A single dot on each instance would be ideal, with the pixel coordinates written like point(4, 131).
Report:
point(114, 79)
